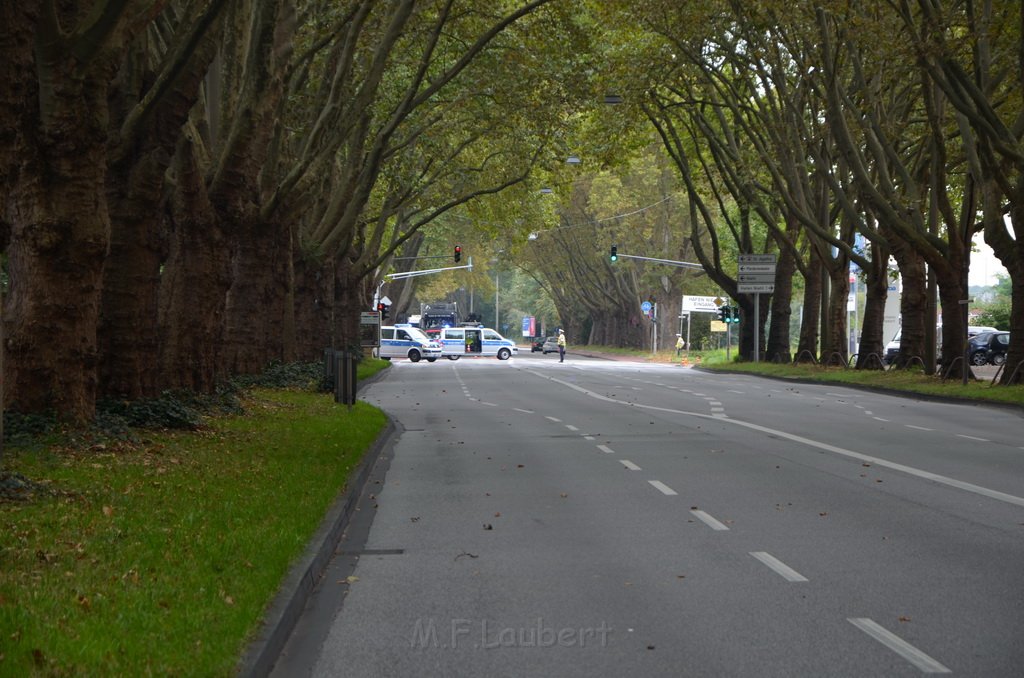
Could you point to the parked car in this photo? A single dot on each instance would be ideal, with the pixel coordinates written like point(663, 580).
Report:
point(892, 349)
point(989, 348)
point(550, 345)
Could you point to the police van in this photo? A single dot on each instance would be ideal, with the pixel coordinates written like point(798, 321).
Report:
point(406, 341)
point(474, 341)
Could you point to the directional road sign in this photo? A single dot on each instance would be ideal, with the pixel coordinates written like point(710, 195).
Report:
point(756, 273)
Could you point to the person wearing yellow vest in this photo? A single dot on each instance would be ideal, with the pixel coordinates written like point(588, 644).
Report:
point(561, 346)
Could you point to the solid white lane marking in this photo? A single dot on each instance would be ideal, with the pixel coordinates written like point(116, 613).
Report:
point(980, 440)
point(571, 427)
point(630, 465)
point(779, 567)
point(519, 409)
point(663, 488)
point(910, 470)
point(901, 647)
point(709, 520)
point(919, 428)
point(606, 449)
point(559, 421)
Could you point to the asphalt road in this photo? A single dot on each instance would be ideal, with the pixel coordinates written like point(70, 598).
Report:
point(599, 518)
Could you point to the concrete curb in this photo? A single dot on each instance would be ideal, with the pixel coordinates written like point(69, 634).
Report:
point(288, 604)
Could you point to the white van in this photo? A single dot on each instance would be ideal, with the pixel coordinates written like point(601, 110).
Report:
point(459, 341)
point(406, 341)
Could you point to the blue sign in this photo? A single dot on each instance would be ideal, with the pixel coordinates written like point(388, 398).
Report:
point(645, 307)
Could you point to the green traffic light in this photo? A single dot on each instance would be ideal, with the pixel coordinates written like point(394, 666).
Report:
point(615, 253)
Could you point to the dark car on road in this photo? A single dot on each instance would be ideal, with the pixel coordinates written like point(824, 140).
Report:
point(537, 344)
point(989, 348)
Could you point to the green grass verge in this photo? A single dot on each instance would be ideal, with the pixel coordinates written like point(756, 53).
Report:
point(160, 558)
point(911, 381)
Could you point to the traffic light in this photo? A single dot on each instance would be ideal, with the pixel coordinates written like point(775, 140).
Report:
point(458, 253)
point(723, 313)
point(383, 309)
point(734, 314)
point(614, 256)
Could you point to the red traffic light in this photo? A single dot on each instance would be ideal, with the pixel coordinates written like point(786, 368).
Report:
point(458, 253)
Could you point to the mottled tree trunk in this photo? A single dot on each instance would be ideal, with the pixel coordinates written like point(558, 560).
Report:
point(194, 285)
point(59, 237)
point(913, 301)
point(778, 348)
point(256, 311)
point(835, 350)
point(871, 343)
point(314, 303)
point(807, 350)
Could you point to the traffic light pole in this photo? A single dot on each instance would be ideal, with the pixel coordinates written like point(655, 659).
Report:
point(670, 262)
point(413, 274)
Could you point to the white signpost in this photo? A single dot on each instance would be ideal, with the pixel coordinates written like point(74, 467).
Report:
point(756, 275)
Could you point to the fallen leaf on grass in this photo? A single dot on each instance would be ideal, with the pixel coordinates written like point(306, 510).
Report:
point(108, 511)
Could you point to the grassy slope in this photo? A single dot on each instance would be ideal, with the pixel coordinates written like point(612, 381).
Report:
point(162, 559)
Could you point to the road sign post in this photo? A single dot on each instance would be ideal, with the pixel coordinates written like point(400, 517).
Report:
point(756, 275)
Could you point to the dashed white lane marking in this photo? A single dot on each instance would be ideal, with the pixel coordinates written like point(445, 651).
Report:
point(558, 421)
point(714, 403)
point(867, 412)
point(630, 465)
point(709, 520)
point(606, 449)
point(835, 449)
point(740, 392)
point(663, 488)
point(919, 428)
point(901, 647)
point(980, 440)
point(571, 427)
point(879, 419)
point(779, 567)
point(472, 398)
point(519, 409)
point(589, 438)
